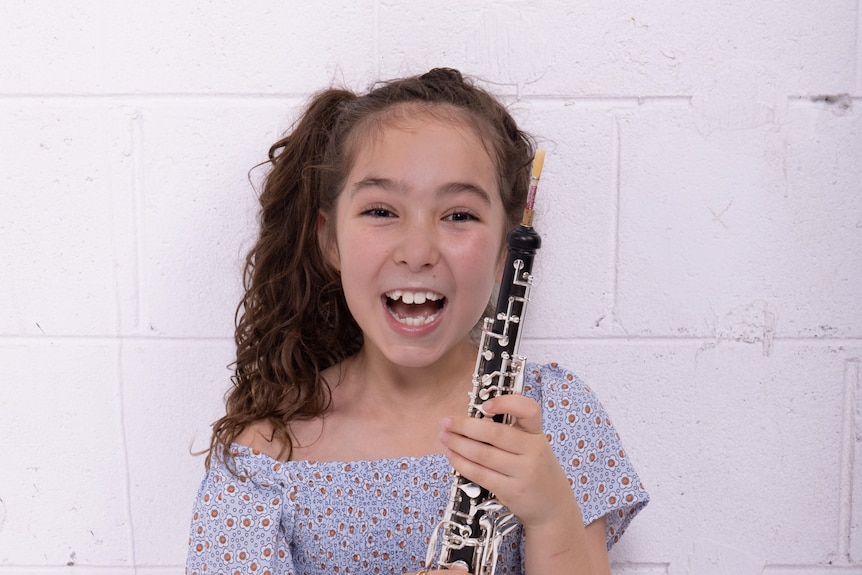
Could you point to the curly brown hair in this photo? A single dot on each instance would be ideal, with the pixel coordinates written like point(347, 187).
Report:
point(293, 321)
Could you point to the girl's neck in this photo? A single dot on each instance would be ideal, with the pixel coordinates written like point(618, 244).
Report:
point(374, 379)
point(380, 410)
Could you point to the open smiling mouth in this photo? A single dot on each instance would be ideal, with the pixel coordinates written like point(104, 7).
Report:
point(414, 308)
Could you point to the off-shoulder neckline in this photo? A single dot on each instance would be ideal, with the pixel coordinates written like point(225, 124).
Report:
point(238, 449)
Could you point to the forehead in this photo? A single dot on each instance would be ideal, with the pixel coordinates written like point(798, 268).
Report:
point(420, 153)
point(409, 115)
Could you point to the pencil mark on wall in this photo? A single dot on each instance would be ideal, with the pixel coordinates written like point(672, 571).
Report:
point(716, 217)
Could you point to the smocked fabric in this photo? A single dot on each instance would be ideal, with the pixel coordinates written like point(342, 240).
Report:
point(373, 517)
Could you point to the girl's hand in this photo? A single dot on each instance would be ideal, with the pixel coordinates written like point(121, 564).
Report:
point(515, 463)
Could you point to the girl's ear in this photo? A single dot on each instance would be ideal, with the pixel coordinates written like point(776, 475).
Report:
point(326, 239)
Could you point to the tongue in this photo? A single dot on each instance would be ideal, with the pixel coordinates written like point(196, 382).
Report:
point(404, 310)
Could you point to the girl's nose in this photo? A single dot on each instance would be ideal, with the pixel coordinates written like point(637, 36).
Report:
point(417, 247)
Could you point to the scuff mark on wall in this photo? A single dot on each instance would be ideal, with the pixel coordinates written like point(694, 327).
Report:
point(742, 94)
point(97, 540)
point(751, 323)
point(840, 104)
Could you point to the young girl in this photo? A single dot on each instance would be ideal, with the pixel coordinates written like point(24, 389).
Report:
point(383, 223)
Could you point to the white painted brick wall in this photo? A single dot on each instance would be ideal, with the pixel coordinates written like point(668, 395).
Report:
point(701, 209)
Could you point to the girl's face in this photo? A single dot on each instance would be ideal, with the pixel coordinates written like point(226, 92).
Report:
point(418, 238)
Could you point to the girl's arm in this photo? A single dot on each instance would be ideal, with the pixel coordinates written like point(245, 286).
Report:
point(518, 465)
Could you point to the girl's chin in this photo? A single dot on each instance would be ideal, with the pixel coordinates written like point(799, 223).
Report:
point(425, 356)
point(411, 357)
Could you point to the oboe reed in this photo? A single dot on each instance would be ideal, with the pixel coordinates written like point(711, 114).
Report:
point(538, 164)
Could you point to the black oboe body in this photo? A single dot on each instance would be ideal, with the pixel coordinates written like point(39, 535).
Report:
point(501, 348)
point(474, 522)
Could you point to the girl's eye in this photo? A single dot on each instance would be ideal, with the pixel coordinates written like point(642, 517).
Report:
point(378, 213)
point(460, 217)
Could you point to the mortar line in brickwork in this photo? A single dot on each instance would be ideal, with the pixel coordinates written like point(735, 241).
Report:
point(810, 569)
point(137, 98)
point(142, 97)
point(850, 429)
point(850, 339)
point(121, 383)
point(857, 69)
point(670, 339)
point(375, 46)
point(137, 151)
point(604, 338)
point(107, 339)
point(134, 151)
point(639, 568)
point(616, 158)
point(79, 568)
point(63, 570)
point(602, 102)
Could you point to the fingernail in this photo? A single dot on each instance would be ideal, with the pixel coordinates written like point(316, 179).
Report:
point(447, 423)
point(444, 436)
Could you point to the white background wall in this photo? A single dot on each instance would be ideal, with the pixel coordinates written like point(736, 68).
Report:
point(701, 209)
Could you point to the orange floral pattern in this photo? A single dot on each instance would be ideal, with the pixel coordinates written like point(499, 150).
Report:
point(306, 517)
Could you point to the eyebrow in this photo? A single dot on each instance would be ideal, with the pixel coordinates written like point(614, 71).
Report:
point(449, 189)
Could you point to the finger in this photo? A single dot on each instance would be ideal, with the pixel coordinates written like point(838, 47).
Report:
point(479, 451)
point(490, 479)
point(486, 431)
point(526, 411)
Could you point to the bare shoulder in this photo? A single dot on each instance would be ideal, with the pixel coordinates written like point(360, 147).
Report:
point(306, 434)
point(260, 436)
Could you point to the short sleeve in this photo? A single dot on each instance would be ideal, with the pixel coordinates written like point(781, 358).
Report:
point(237, 522)
point(588, 447)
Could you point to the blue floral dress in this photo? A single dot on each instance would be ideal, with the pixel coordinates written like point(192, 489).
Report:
point(308, 517)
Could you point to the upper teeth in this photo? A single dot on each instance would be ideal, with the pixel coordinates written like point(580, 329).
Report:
point(418, 297)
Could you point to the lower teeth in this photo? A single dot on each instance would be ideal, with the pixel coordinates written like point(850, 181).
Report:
point(414, 321)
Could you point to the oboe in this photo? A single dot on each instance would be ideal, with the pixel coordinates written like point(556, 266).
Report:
point(474, 522)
